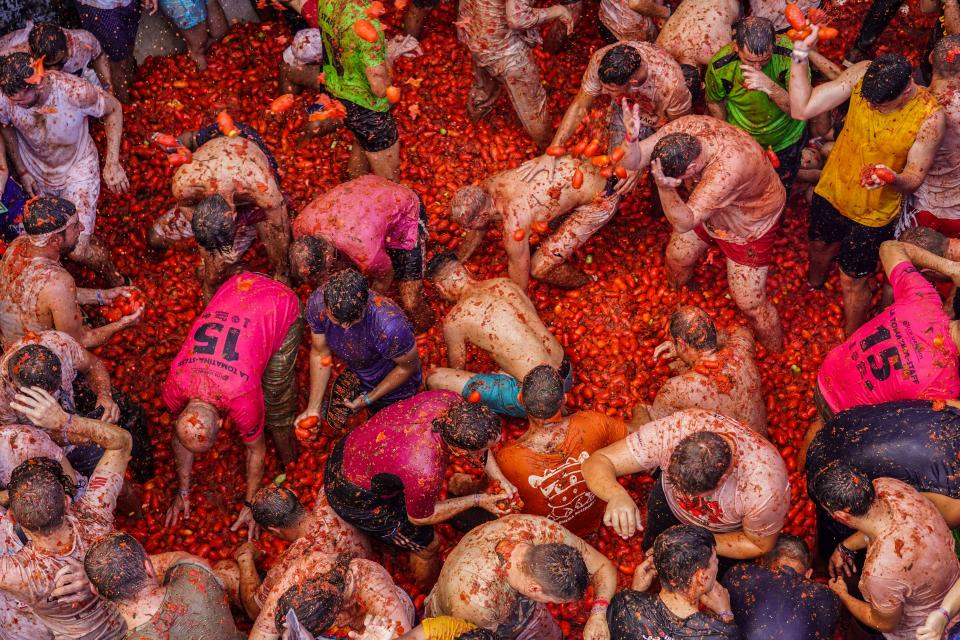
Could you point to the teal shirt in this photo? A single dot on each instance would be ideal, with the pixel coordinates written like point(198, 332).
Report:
point(754, 111)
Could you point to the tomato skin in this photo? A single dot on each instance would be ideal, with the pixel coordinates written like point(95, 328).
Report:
point(393, 95)
point(794, 15)
point(577, 180)
point(366, 30)
point(555, 151)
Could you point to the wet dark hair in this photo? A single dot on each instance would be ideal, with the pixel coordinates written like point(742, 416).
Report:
point(44, 214)
point(438, 262)
point(946, 55)
point(468, 426)
point(679, 552)
point(675, 152)
point(559, 569)
point(114, 565)
point(48, 40)
point(788, 546)
point(698, 462)
point(213, 224)
point(542, 391)
point(314, 252)
point(42, 464)
point(691, 77)
point(37, 495)
point(619, 64)
point(754, 34)
point(345, 295)
point(695, 327)
point(316, 601)
point(34, 365)
point(886, 78)
point(277, 507)
point(14, 70)
point(626, 615)
point(842, 487)
point(926, 238)
point(478, 634)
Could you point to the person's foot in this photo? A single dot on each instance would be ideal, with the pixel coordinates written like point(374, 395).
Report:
point(566, 276)
point(200, 60)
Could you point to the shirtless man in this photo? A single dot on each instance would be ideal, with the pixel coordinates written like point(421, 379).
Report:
point(910, 563)
point(37, 293)
point(43, 510)
point(522, 202)
point(694, 34)
point(639, 72)
point(48, 138)
point(496, 316)
point(374, 225)
point(336, 590)
point(278, 510)
point(499, 36)
point(72, 51)
point(227, 191)
point(630, 19)
point(164, 595)
point(503, 573)
point(736, 203)
point(716, 474)
point(936, 203)
point(238, 361)
point(716, 373)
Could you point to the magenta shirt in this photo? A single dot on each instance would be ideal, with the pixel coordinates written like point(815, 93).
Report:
point(399, 441)
point(362, 218)
point(905, 353)
point(228, 348)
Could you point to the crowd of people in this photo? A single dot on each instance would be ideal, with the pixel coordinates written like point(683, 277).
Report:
point(725, 111)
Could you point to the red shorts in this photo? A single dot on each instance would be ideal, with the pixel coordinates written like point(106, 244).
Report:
point(757, 253)
point(949, 228)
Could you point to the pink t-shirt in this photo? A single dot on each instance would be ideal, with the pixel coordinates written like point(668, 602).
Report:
point(64, 347)
point(754, 495)
point(912, 564)
point(362, 218)
point(228, 348)
point(905, 353)
point(400, 442)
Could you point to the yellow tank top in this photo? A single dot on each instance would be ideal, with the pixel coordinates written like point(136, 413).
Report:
point(444, 628)
point(871, 137)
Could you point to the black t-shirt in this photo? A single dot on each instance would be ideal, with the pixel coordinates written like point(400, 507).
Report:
point(907, 440)
point(634, 615)
point(782, 604)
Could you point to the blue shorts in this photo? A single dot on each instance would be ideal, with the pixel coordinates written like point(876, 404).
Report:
point(501, 392)
point(185, 14)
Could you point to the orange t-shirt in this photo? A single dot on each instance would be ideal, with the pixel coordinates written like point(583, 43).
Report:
point(552, 484)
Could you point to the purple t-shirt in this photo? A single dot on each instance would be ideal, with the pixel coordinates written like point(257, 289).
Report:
point(399, 444)
point(370, 346)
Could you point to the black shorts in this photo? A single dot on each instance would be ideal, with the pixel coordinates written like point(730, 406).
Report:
point(410, 264)
point(383, 517)
point(691, 75)
point(860, 244)
point(605, 34)
point(374, 130)
point(84, 457)
point(790, 158)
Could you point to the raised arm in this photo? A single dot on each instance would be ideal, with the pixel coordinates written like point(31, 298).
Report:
point(603, 577)
point(807, 102)
point(893, 253)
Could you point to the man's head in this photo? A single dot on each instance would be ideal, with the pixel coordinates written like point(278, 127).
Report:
point(945, 56)
point(311, 259)
point(845, 492)
point(51, 221)
point(887, 83)
point(119, 567)
point(542, 392)
point(213, 223)
point(790, 551)
point(685, 557)
point(468, 428)
point(679, 155)
point(753, 40)
point(316, 601)
point(622, 69)
point(345, 295)
point(693, 333)
point(197, 426)
point(278, 510)
point(699, 462)
point(15, 68)
point(471, 208)
point(445, 271)
point(927, 239)
point(552, 573)
point(38, 496)
point(50, 41)
point(34, 365)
